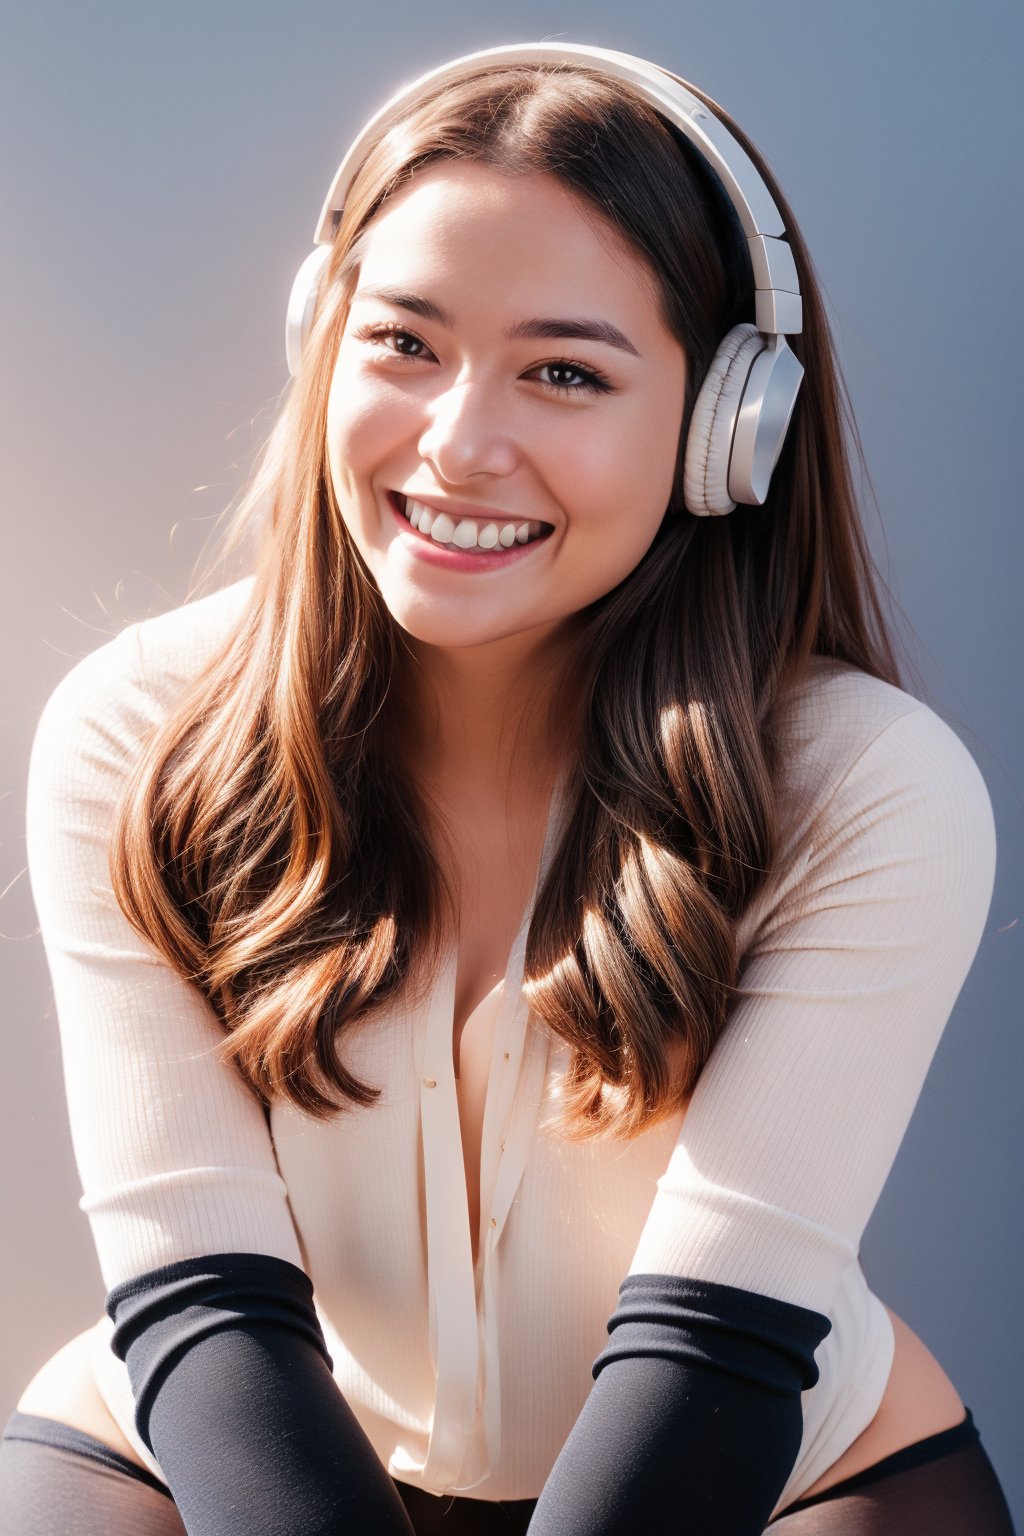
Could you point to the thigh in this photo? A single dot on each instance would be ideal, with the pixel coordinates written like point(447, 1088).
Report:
point(60, 1482)
point(64, 1389)
point(957, 1494)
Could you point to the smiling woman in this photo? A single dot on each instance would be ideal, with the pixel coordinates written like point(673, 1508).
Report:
point(529, 896)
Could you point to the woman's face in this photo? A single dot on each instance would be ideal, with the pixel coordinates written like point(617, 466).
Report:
point(504, 380)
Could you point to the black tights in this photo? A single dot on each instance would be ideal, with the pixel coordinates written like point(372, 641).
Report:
point(56, 1481)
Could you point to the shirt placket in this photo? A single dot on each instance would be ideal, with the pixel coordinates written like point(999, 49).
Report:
point(454, 1328)
point(457, 1324)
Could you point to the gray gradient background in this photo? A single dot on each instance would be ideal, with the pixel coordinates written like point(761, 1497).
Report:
point(163, 165)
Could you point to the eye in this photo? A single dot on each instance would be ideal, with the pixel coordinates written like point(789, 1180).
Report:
point(568, 378)
point(565, 377)
point(394, 338)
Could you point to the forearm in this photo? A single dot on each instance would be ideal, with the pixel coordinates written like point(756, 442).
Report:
point(694, 1421)
point(236, 1399)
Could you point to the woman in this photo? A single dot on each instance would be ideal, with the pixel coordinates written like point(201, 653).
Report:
point(530, 896)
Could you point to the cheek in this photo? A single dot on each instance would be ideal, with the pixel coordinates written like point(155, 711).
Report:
point(615, 485)
point(656, 437)
point(365, 420)
point(620, 477)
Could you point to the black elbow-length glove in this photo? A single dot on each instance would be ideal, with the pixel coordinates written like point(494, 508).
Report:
point(234, 1395)
point(694, 1421)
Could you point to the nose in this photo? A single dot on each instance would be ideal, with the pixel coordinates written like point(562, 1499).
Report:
point(463, 435)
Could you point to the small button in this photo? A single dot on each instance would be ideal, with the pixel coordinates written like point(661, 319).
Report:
point(430, 1082)
point(493, 1222)
point(503, 1146)
point(506, 1055)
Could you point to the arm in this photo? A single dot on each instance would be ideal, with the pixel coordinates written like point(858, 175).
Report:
point(786, 1145)
point(694, 1420)
point(176, 1163)
point(234, 1394)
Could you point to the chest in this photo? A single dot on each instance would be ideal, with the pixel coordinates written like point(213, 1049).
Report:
point(486, 935)
point(493, 870)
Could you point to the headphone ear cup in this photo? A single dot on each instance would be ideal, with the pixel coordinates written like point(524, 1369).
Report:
point(713, 423)
point(302, 304)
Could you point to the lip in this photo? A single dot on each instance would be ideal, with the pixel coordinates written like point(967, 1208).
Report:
point(447, 557)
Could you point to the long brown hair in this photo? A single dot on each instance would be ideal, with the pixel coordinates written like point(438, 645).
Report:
point(271, 845)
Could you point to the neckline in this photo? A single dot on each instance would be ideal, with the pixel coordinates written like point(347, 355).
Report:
point(552, 829)
point(491, 999)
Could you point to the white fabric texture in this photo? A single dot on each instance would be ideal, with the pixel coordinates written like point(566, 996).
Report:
point(469, 1377)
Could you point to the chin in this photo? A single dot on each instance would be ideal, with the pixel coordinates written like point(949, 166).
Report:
point(438, 626)
point(439, 632)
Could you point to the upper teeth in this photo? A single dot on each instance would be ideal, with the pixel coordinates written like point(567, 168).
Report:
point(467, 533)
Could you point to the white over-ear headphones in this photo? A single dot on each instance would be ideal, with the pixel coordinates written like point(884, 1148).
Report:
point(743, 410)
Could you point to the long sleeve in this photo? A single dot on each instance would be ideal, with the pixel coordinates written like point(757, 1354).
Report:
point(842, 999)
point(785, 1147)
point(173, 1152)
point(188, 1210)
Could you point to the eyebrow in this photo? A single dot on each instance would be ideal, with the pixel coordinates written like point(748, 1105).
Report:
point(551, 330)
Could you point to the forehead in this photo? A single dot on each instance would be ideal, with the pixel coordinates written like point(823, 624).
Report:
point(459, 225)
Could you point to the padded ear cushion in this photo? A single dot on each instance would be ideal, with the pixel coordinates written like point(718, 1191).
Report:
point(709, 440)
point(302, 304)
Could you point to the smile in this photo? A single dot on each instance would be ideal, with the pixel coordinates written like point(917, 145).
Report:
point(475, 534)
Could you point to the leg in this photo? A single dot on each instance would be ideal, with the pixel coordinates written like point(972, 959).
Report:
point(942, 1486)
point(58, 1481)
point(64, 1388)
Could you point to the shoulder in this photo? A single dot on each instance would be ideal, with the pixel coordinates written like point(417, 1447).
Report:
point(107, 705)
point(877, 797)
point(849, 739)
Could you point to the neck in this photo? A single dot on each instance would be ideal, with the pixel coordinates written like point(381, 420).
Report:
point(484, 718)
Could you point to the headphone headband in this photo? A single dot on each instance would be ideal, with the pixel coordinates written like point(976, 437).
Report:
point(743, 409)
point(777, 290)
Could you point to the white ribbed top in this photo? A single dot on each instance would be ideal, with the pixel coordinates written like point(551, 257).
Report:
point(469, 1377)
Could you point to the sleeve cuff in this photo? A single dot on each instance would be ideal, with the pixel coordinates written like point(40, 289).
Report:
point(161, 1314)
point(758, 1339)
